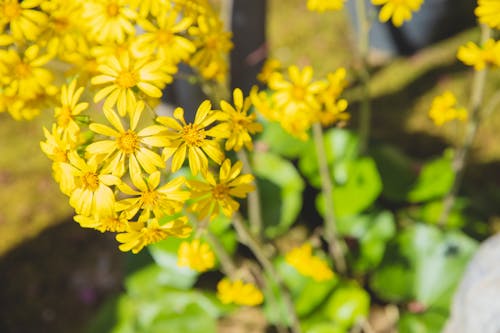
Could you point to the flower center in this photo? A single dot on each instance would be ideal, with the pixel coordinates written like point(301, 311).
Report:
point(149, 198)
point(220, 191)
point(11, 10)
point(22, 70)
point(212, 42)
point(128, 142)
point(64, 116)
point(152, 235)
point(298, 93)
point(60, 24)
point(90, 181)
point(113, 9)
point(126, 79)
point(193, 136)
point(60, 155)
point(164, 36)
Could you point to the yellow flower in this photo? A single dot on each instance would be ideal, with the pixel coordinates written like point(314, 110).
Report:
point(64, 30)
point(92, 194)
point(26, 78)
point(479, 57)
point(128, 144)
point(68, 111)
point(241, 125)
point(153, 7)
point(112, 223)
point(296, 100)
point(270, 67)
point(140, 234)
point(122, 75)
point(195, 255)
point(323, 5)
point(302, 259)
point(149, 198)
point(57, 149)
point(21, 19)
point(213, 45)
point(238, 292)
point(397, 10)
point(213, 197)
point(444, 109)
point(198, 139)
point(333, 109)
point(488, 12)
point(166, 38)
point(108, 20)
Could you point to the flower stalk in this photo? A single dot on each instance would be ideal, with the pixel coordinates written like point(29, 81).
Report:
point(334, 242)
point(462, 153)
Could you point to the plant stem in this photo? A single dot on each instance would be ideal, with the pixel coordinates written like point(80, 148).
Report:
point(363, 47)
point(460, 158)
point(335, 247)
point(254, 208)
point(228, 266)
point(256, 247)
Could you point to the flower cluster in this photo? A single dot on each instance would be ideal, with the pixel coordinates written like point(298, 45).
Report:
point(444, 109)
point(297, 101)
point(239, 292)
point(307, 264)
point(130, 49)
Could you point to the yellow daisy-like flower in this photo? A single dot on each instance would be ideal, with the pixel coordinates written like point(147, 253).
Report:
point(332, 108)
point(26, 78)
point(109, 20)
point(64, 30)
point(153, 7)
point(488, 12)
point(142, 233)
point(195, 255)
point(296, 99)
point(324, 5)
point(479, 57)
point(398, 11)
point(57, 149)
point(21, 18)
point(444, 109)
point(241, 124)
point(122, 75)
point(128, 144)
point(112, 223)
point(165, 39)
point(92, 194)
point(151, 198)
point(239, 292)
point(213, 197)
point(198, 139)
point(302, 259)
point(69, 110)
point(213, 45)
point(270, 67)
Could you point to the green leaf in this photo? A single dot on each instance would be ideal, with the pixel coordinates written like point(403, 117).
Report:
point(165, 255)
point(326, 327)
point(361, 189)
point(341, 147)
point(396, 171)
point(431, 213)
point(424, 264)
point(372, 231)
point(281, 192)
point(347, 305)
point(421, 323)
point(434, 181)
point(281, 142)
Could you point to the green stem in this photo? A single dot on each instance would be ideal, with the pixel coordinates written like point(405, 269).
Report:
point(228, 266)
point(335, 246)
point(363, 47)
point(254, 208)
point(257, 249)
point(460, 158)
